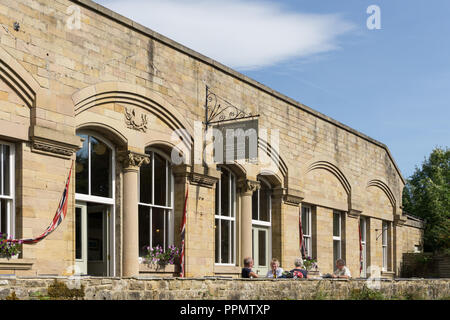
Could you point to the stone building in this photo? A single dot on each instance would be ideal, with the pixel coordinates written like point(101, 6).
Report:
point(81, 84)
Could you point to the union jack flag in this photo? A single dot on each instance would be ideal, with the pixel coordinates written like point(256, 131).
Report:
point(302, 243)
point(183, 234)
point(57, 219)
point(361, 262)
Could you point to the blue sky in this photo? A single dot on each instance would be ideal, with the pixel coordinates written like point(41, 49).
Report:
point(391, 84)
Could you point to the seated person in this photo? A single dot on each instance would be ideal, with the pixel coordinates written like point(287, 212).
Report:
point(342, 271)
point(275, 270)
point(247, 269)
point(298, 271)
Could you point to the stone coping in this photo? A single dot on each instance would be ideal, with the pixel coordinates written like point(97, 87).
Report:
point(179, 47)
point(150, 278)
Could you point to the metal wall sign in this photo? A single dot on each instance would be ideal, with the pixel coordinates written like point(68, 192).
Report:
point(236, 141)
point(235, 137)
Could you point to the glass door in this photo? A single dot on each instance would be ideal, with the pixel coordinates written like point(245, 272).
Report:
point(80, 238)
point(92, 243)
point(260, 250)
point(97, 241)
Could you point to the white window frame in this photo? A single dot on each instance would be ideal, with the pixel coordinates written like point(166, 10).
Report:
point(363, 226)
point(258, 222)
point(231, 217)
point(103, 200)
point(385, 245)
point(11, 208)
point(338, 238)
point(307, 238)
point(267, 225)
point(168, 210)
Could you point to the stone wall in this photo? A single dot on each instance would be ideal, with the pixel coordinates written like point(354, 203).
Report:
point(224, 289)
point(426, 265)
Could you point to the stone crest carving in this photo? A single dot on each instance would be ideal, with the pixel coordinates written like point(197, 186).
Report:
point(130, 120)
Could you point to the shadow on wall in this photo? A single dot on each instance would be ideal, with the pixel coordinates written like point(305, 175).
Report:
point(425, 265)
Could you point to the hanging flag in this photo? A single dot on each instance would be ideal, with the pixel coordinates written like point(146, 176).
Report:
point(58, 218)
point(183, 234)
point(302, 243)
point(360, 248)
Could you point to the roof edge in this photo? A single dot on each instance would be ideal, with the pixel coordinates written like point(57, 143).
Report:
point(196, 55)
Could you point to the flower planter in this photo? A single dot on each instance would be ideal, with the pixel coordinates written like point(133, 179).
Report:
point(314, 273)
point(169, 270)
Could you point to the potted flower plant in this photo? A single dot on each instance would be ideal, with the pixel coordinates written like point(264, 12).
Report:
point(160, 258)
point(311, 265)
point(9, 249)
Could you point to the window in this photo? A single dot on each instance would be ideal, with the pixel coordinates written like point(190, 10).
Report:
point(363, 231)
point(261, 226)
point(94, 168)
point(7, 188)
point(261, 205)
point(225, 218)
point(306, 228)
point(337, 235)
point(155, 203)
point(385, 244)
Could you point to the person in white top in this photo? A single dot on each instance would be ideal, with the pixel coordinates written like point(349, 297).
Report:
point(341, 270)
point(275, 270)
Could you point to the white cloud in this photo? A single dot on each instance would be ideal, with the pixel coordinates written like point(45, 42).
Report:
point(239, 33)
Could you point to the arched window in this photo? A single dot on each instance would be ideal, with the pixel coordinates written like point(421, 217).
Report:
point(155, 203)
point(225, 222)
point(94, 168)
point(94, 208)
point(261, 226)
point(7, 188)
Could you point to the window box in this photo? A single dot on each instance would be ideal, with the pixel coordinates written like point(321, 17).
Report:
point(169, 270)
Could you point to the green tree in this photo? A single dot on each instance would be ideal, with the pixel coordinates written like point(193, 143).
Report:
point(427, 195)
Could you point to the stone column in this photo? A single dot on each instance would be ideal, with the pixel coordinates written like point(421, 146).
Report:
point(131, 163)
point(351, 242)
point(247, 187)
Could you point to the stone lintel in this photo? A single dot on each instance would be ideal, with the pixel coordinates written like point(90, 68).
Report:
point(353, 213)
point(197, 175)
point(290, 196)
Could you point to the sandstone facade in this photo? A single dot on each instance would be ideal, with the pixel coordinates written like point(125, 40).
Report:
point(113, 79)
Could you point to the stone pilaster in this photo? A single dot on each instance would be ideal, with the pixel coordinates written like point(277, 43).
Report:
point(285, 225)
point(131, 163)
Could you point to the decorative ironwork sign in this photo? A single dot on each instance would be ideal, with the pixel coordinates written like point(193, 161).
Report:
point(235, 137)
point(218, 110)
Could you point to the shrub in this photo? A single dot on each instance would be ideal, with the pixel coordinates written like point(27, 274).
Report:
point(366, 294)
point(60, 291)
